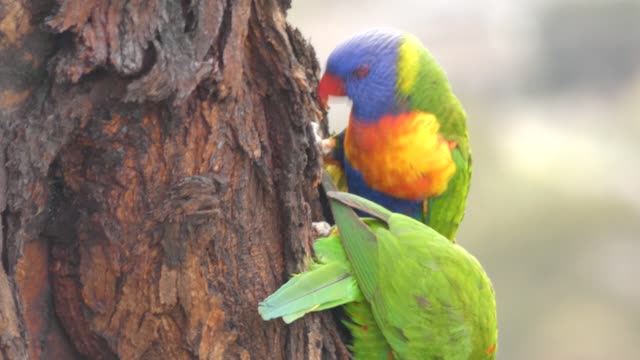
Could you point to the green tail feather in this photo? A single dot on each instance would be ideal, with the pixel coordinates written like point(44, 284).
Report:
point(368, 342)
point(324, 287)
point(358, 240)
point(327, 284)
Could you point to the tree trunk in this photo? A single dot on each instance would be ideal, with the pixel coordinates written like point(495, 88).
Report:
point(157, 179)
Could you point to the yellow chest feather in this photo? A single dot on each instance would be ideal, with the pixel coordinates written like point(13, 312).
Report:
point(401, 155)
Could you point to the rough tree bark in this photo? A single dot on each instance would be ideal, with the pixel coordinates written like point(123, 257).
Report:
point(157, 179)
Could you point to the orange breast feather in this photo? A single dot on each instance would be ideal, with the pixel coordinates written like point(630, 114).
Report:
point(401, 155)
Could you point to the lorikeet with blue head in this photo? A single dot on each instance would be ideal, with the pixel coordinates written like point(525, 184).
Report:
point(406, 145)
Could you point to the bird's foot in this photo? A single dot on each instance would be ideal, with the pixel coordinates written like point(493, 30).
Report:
point(326, 145)
point(320, 229)
point(317, 133)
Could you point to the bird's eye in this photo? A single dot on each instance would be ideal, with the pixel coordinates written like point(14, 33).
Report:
point(361, 71)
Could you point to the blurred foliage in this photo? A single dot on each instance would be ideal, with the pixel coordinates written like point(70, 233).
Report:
point(589, 44)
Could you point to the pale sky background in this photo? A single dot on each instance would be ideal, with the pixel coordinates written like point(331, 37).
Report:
point(552, 91)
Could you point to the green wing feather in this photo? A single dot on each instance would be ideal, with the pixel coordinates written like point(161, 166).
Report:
point(445, 212)
point(325, 285)
point(424, 86)
point(361, 249)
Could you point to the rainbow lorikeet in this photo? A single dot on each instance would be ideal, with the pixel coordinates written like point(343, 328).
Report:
point(427, 298)
point(406, 145)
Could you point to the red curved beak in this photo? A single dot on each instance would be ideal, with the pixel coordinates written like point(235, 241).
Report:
point(330, 85)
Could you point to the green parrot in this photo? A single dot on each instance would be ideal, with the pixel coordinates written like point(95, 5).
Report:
point(427, 297)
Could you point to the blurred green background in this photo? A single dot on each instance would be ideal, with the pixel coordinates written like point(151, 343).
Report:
point(552, 92)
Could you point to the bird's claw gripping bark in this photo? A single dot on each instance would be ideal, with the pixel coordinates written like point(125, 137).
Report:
point(320, 229)
point(317, 133)
point(326, 145)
